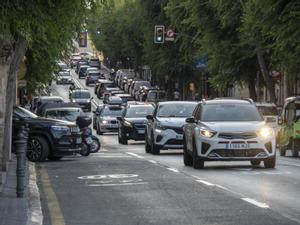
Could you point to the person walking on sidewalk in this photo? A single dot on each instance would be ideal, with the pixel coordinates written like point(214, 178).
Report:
point(176, 95)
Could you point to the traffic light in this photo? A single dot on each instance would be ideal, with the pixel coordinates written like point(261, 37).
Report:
point(98, 30)
point(159, 34)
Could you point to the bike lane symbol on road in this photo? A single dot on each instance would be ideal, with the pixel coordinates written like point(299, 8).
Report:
point(112, 180)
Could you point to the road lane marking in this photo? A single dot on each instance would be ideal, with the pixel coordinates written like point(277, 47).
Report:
point(198, 178)
point(121, 184)
point(205, 182)
point(257, 203)
point(173, 169)
point(135, 155)
point(152, 161)
point(52, 202)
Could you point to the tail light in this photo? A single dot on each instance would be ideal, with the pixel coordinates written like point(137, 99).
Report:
point(88, 77)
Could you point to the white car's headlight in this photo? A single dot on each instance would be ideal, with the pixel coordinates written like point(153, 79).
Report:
point(265, 132)
point(207, 133)
point(104, 122)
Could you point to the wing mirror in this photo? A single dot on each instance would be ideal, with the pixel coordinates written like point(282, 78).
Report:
point(190, 120)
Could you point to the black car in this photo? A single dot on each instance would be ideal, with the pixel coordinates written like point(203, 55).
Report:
point(82, 71)
point(82, 97)
point(79, 64)
point(48, 138)
point(133, 122)
point(103, 86)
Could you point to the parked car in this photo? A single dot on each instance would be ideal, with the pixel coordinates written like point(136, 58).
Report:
point(95, 63)
point(92, 77)
point(48, 138)
point(289, 135)
point(228, 129)
point(137, 84)
point(141, 94)
point(82, 97)
point(106, 120)
point(82, 71)
point(165, 127)
point(64, 77)
point(132, 123)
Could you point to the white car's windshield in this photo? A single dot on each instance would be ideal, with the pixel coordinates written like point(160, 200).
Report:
point(112, 111)
point(139, 112)
point(230, 112)
point(176, 110)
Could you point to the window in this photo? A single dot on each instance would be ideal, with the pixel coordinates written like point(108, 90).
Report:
point(230, 112)
point(139, 112)
point(81, 94)
point(176, 110)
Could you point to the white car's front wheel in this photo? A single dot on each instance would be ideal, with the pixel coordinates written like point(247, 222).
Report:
point(270, 162)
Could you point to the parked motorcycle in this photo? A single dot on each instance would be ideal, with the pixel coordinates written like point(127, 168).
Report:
point(90, 143)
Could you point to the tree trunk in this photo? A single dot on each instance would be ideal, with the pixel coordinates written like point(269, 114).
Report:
point(17, 56)
point(252, 90)
point(6, 50)
point(264, 71)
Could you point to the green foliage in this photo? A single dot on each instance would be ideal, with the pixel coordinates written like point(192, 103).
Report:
point(48, 28)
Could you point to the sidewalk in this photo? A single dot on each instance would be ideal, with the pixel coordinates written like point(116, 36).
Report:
point(20, 211)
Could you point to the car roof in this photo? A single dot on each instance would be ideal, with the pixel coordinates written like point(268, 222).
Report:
point(177, 102)
point(50, 97)
point(228, 101)
point(140, 105)
point(62, 108)
point(81, 90)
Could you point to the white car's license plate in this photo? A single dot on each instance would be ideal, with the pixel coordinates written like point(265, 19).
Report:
point(179, 137)
point(239, 146)
point(89, 140)
point(141, 131)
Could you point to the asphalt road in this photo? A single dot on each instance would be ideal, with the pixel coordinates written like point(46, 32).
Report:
point(124, 185)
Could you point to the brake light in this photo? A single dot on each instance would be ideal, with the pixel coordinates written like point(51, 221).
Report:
point(88, 77)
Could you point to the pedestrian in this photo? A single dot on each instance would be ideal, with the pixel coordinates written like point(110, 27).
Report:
point(176, 95)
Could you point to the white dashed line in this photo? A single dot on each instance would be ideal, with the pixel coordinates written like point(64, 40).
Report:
point(254, 202)
point(173, 170)
point(135, 155)
point(152, 161)
point(205, 182)
point(125, 184)
point(198, 178)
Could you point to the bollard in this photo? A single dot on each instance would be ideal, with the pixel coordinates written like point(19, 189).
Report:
point(21, 148)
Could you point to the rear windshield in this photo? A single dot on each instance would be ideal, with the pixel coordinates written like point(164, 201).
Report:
point(109, 85)
point(112, 111)
point(81, 94)
point(268, 110)
point(230, 112)
point(139, 112)
point(95, 74)
point(176, 110)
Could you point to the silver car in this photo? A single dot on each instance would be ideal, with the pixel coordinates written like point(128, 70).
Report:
point(165, 127)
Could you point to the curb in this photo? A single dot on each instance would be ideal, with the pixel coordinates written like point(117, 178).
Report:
point(35, 215)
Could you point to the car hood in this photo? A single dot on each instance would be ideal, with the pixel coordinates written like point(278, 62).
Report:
point(136, 120)
point(66, 77)
point(234, 127)
point(172, 121)
point(81, 100)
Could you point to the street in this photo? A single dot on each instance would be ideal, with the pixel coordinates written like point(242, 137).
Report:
point(124, 185)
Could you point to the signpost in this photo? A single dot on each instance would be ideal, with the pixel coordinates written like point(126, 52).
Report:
point(170, 35)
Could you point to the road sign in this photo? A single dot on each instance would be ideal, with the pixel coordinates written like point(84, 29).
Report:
point(170, 35)
point(201, 63)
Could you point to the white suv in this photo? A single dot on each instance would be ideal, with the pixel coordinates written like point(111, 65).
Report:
point(228, 129)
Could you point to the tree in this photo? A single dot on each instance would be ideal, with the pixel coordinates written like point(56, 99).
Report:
point(42, 30)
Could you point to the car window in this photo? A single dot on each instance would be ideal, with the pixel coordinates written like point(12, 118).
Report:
point(139, 112)
point(112, 111)
point(230, 112)
point(94, 74)
point(108, 85)
point(81, 94)
point(176, 110)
